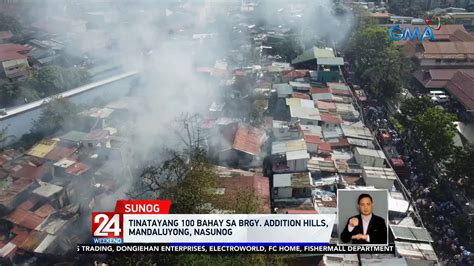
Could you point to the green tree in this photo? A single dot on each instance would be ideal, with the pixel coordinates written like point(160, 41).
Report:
point(436, 129)
point(48, 80)
point(460, 169)
point(8, 93)
point(58, 115)
point(51, 80)
point(245, 200)
point(406, 8)
point(430, 124)
point(378, 62)
point(9, 23)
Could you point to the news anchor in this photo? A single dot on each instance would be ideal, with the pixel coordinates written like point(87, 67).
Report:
point(365, 228)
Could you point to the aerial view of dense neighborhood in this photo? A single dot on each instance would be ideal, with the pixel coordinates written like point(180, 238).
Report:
point(236, 106)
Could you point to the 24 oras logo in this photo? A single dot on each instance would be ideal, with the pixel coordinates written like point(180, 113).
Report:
point(106, 228)
point(397, 33)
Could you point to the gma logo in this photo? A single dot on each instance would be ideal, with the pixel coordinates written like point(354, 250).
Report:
point(396, 33)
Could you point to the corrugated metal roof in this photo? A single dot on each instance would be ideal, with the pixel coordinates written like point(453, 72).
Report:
point(415, 251)
point(249, 140)
point(296, 155)
point(323, 96)
point(24, 218)
point(282, 180)
point(45, 210)
point(335, 61)
point(305, 113)
point(301, 180)
point(411, 233)
point(77, 169)
point(314, 53)
point(60, 152)
point(74, 135)
point(298, 102)
point(47, 189)
point(42, 148)
point(369, 152)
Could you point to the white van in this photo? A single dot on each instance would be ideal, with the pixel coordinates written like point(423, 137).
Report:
point(436, 93)
point(440, 98)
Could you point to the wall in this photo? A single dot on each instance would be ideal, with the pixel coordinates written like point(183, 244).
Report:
point(21, 123)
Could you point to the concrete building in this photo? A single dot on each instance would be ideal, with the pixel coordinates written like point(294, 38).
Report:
point(379, 177)
point(292, 185)
point(14, 62)
point(367, 157)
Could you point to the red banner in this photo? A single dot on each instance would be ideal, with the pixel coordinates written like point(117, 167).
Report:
point(143, 206)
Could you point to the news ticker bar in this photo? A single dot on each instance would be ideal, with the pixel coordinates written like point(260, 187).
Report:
point(182, 248)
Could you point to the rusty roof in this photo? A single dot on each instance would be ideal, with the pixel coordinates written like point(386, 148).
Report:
point(461, 87)
point(301, 95)
point(33, 240)
point(8, 155)
point(24, 218)
point(77, 169)
point(310, 138)
point(260, 184)
point(28, 171)
point(59, 152)
point(295, 73)
point(249, 140)
point(45, 210)
point(448, 50)
point(328, 118)
point(21, 234)
point(325, 147)
point(42, 148)
point(15, 188)
point(29, 203)
point(315, 90)
point(325, 105)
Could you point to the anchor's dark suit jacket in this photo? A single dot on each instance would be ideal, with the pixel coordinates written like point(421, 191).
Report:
point(377, 231)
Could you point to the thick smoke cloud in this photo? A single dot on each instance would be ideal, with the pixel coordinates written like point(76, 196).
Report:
point(156, 38)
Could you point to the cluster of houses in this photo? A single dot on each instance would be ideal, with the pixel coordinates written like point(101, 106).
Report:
point(319, 145)
point(48, 192)
point(311, 144)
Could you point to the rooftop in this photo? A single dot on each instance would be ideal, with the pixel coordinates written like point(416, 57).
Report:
point(74, 136)
point(314, 53)
point(260, 184)
point(410, 233)
point(97, 112)
point(448, 50)
point(42, 148)
point(415, 251)
point(313, 139)
point(438, 78)
point(460, 86)
point(249, 140)
point(378, 172)
point(295, 180)
point(332, 119)
point(59, 152)
point(322, 105)
point(305, 113)
point(297, 102)
point(47, 189)
point(369, 152)
point(25, 218)
point(357, 132)
point(289, 145)
point(11, 51)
